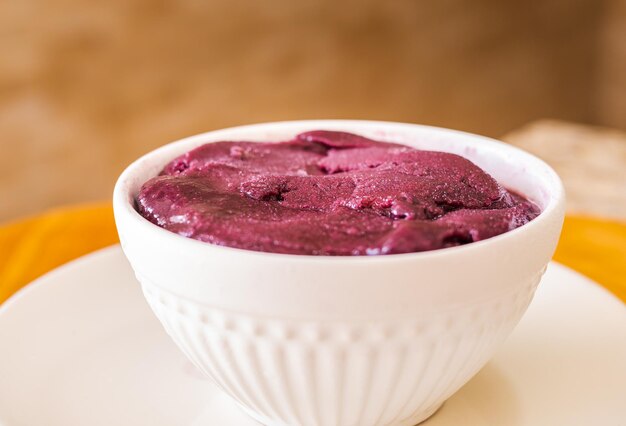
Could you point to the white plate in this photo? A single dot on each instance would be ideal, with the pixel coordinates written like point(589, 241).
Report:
point(80, 347)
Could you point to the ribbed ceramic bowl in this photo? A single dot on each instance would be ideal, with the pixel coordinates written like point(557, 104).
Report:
point(343, 341)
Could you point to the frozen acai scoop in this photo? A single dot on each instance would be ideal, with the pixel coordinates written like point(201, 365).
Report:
point(329, 193)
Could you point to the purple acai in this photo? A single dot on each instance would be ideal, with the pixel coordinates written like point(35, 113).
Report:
point(329, 193)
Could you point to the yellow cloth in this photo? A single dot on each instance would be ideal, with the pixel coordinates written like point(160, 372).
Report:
point(34, 246)
point(29, 248)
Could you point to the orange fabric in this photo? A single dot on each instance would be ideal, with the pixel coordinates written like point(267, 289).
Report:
point(34, 246)
point(597, 249)
point(28, 249)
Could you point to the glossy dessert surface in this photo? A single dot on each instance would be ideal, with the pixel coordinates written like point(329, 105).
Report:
point(329, 193)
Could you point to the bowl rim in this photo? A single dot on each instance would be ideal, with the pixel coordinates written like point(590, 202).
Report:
point(124, 207)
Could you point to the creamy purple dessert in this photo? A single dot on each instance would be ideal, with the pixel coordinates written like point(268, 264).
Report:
point(329, 193)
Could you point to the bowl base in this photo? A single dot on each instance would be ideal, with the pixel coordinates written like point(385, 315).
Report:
point(413, 420)
point(420, 417)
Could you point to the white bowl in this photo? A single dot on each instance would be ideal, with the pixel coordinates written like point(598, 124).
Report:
point(319, 340)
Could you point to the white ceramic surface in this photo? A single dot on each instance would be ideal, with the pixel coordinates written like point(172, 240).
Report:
point(81, 347)
point(339, 341)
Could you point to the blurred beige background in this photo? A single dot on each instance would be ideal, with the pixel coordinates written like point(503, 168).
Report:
point(86, 87)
